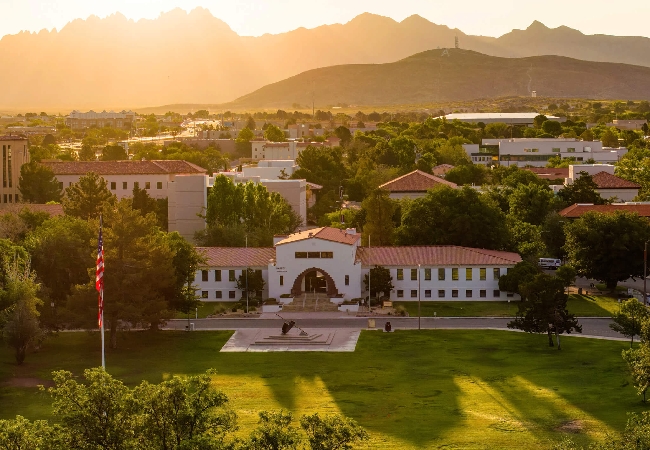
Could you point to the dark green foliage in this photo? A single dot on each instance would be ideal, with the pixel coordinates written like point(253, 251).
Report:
point(38, 184)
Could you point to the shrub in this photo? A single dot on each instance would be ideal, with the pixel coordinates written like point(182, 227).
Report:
point(400, 311)
point(285, 296)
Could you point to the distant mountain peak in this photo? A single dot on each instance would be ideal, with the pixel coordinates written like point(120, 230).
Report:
point(537, 26)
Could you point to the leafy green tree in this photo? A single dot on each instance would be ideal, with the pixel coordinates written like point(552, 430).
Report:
point(21, 326)
point(380, 281)
point(245, 135)
point(379, 211)
point(253, 284)
point(322, 166)
point(343, 133)
point(183, 413)
point(582, 190)
point(630, 318)
point(114, 153)
point(607, 247)
point(21, 434)
point(274, 432)
point(99, 413)
point(539, 120)
point(638, 363)
point(332, 432)
point(526, 239)
point(609, 138)
point(447, 216)
point(274, 134)
point(522, 273)
point(552, 231)
point(531, 203)
point(635, 166)
point(37, 184)
point(139, 272)
point(61, 253)
point(186, 262)
point(88, 197)
point(543, 309)
point(468, 175)
point(250, 123)
point(552, 127)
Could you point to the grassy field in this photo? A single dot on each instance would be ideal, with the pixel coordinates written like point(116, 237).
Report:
point(409, 389)
point(580, 305)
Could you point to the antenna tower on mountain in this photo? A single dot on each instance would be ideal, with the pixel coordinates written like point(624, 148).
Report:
point(457, 44)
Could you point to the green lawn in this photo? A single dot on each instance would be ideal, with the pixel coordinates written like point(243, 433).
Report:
point(580, 305)
point(409, 389)
point(207, 308)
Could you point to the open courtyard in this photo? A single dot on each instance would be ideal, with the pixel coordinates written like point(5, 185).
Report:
point(409, 389)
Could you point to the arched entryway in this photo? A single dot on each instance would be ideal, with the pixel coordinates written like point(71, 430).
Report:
point(314, 280)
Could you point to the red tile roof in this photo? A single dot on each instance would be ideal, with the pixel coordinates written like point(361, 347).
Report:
point(123, 167)
point(416, 181)
point(434, 256)
point(324, 233)
point(52, 210)
point(606, 180)
point(237, 256)
point(577, 210)
point(549, 173)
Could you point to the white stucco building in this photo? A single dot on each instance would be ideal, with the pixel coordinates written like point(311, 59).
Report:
point(122, 176)
point(331, 262)
point(536, 152)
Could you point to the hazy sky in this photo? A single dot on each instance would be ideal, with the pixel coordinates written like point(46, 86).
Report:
point(256, 17)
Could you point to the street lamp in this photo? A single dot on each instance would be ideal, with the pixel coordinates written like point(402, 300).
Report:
point(419, 299)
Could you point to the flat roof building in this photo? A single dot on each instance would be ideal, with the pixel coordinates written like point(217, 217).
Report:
point(526, 119)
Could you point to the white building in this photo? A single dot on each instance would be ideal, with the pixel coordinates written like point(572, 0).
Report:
point(331, 262)
point(609, 186)
point(262, 150)
point(269, 169)
point(536, 152)
point(122, 176)
point(526, 119)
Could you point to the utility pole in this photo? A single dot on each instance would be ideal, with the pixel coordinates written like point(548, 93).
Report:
point(419, 300)
point(645, 273)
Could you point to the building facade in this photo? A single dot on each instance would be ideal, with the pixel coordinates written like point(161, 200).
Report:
point(78, 120)
point(14, 152)
point(122, 176)
point(331, 262)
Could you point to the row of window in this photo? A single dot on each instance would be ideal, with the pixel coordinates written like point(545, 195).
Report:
point(8, 198)
point(205, 275)
point(328, 255)
point(7, 175)
point(469, 274)
point(125, 185)
point(219, 294)
point(469, 293)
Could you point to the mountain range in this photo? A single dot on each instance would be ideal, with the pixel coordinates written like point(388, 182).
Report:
point(453, 75)
point(194, 57)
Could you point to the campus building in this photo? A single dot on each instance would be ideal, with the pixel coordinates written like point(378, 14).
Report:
point(14, 152)
point(78, 120)
point(536, 152)
point(331, 263)
point(518, 119)
point(122, 176)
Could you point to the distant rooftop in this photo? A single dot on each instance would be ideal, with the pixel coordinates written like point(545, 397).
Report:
point(416, 181)
point(479, 117)
point(123, 167)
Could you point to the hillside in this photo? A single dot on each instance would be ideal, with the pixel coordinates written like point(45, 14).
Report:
point(432, 76)
point(196, 58)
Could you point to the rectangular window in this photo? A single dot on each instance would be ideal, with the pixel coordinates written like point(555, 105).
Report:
point(159, 185)
point(571, 150)
point(125, 185)
point(414, 293)
point(281, 280)
point(483, 273)
point(496, 293)
point(217, 294)
point(483, 293)
point(204, 275)
point(301, 254)
point(468, 293)
point(231, 294)
point(496, 273)
point(427, 293)
point(15, 197)
point(204, 294)
point(510, 294)
point(231, 275)
point(414, 274)
point(441, 293)
point(400, 274)
point(147, 185)
point(217, 275)
point(136, 184)
point(454, 293)
point(468, 274)
point(556, 150)
point(61, 185)
point(427, 274)
point(347, 280)
point(441, 274)
point(313, 254)
point(9, 168)
point(400, 293)
point(328, 255)
point(113, 185)
point(454, 274)
point(4, 167)
point(5, 198)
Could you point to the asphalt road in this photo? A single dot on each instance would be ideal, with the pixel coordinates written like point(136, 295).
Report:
point(590, 326)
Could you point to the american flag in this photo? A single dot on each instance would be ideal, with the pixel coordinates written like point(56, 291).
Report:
point(99, 275)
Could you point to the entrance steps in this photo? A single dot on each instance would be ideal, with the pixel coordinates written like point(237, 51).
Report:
point(310, 302)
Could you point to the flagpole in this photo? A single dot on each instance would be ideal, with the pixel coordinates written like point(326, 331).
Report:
point(102, 331)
